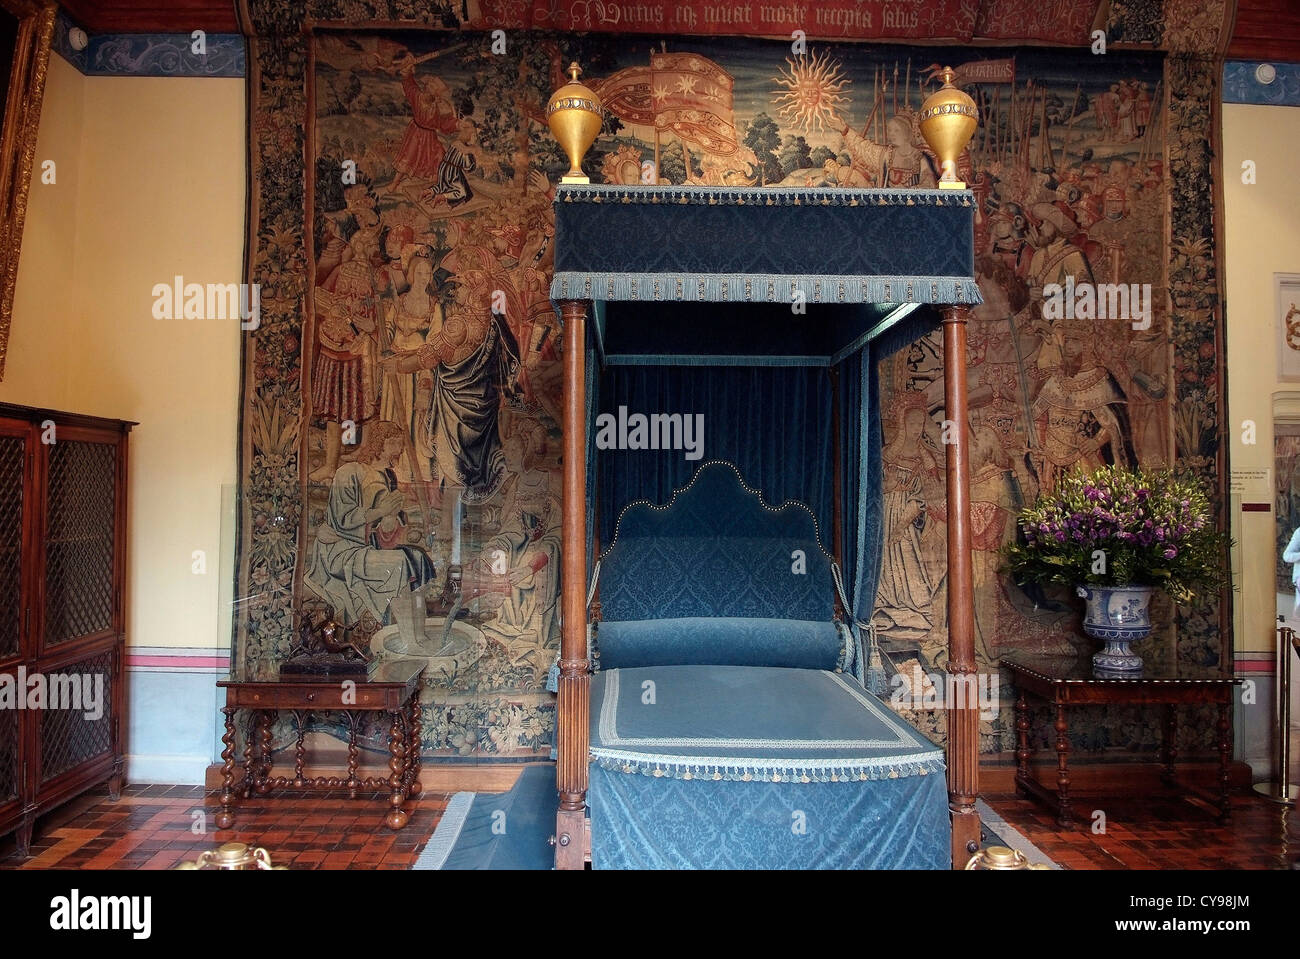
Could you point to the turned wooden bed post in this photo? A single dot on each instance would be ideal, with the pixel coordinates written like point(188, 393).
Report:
point(573, 703)
point(963, 715)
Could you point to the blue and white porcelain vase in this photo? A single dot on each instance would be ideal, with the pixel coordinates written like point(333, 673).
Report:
point(1117, 615)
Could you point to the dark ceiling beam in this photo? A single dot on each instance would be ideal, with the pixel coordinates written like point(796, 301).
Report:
point(1266, 30)
point(153, 16)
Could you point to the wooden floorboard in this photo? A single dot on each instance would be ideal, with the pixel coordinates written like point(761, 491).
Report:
point(152, 827)
point(1158, 833)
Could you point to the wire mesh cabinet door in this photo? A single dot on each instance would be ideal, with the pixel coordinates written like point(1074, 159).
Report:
point(15, 602)
point(81, 476)
point(81, 487)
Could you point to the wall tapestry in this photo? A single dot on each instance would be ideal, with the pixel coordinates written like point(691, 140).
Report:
point(402, 396)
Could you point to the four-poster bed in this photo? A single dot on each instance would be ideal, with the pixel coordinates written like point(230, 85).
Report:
point(764, 312)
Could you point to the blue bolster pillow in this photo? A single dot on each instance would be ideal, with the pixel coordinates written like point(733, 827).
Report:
point(720, 641)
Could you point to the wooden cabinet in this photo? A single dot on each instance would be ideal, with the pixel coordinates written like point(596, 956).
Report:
point(62, 619)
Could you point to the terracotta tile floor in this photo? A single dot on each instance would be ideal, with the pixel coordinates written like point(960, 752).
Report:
point(150, 828)
point(1160, 833)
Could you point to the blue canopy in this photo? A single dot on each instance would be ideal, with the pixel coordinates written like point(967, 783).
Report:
point(822, 246)
point(764, 310)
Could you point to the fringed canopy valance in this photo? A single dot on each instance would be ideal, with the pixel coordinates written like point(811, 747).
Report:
point(791, 246)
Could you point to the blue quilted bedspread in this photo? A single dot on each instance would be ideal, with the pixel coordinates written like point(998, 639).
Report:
point(759, 767)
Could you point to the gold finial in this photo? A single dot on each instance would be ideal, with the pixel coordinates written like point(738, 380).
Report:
point(574, 114)
point(948, 120)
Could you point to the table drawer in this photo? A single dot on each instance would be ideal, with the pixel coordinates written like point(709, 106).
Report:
point(317, 696)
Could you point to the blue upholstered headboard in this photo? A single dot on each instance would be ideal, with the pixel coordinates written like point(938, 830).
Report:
point(715, 549)
point(742, 582)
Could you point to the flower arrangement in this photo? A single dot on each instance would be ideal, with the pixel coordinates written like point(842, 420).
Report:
point(1121, 527)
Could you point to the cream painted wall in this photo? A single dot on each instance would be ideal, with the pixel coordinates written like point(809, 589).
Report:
point(1261, 237)
point(150, 185)
point(163, 195)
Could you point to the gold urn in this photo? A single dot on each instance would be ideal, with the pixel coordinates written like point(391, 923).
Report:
point(231, 855)
point(948, 121)
point(574, 115)
point(1001, 858)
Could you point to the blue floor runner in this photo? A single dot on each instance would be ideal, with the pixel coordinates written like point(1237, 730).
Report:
point(508, 830)
point(512, 830)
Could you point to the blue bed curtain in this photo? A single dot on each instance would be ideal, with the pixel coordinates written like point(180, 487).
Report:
point(855, 422)
point(861, 439)
point(772, 422)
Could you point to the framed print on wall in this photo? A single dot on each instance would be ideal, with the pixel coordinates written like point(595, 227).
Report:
point(1287, 307)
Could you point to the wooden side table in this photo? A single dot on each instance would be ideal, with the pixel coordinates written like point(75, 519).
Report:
point(1065, 681)
point(392, 688)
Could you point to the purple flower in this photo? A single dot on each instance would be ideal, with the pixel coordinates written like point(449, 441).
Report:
point(1171, 552)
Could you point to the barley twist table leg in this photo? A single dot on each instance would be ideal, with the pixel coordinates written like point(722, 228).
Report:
point(266, 718)
point(1022, 742)
point(250, 768)
point(397, 817)
point(353, 755)
point(300, 749)
point(226, 818)
point(413, 747)
point(1063, 815)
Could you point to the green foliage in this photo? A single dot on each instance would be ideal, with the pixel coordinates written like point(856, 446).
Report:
point(820, 155)
point(763, 137)
point(795, 154)
point(672, 163)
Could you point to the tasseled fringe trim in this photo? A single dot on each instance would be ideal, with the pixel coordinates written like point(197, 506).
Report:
point(764, 288)
point(769, 771)
point(760, 196)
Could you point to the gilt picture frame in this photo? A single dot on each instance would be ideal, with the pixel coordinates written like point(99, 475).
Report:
point(1287, 308)
point(28, 34)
